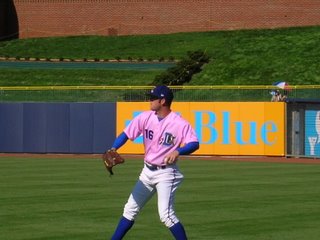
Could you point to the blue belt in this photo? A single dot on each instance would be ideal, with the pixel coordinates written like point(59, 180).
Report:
point(154, 167)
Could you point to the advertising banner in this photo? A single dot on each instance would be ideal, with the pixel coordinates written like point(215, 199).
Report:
point(312, 133)
point(223, 128)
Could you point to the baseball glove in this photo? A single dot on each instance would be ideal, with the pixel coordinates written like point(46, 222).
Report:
point(110, 159)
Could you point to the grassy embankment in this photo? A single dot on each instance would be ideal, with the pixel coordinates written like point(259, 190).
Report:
point(249, 57)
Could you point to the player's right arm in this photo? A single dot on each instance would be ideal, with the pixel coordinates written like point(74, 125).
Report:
point(120, 141)
point(136, 126)
point(130, 132)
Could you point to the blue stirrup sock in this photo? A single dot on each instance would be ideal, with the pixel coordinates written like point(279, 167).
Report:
point(178, 231)
point(123, 227)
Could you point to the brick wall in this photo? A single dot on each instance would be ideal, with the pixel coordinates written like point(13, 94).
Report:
point(42, 18)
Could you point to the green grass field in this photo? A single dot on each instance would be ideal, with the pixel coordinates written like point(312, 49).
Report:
point(75, 199)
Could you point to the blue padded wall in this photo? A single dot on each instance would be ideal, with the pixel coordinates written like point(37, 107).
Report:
point(81, 129)
point(11, 127)
point(57, 127)
point(104, 126)
point(34, 127)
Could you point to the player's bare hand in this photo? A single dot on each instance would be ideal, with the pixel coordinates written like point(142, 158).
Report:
point(171, 158)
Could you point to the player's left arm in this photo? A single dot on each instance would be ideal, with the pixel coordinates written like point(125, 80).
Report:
point(191, 145)
point(191, 141)
point(188, 148)
point(185, 150)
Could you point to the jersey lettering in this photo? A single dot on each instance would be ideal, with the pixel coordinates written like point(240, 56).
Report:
point(168, 139)
point(149, 134)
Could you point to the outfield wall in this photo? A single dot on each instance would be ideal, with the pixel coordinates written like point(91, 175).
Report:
point(44, 18)
point(56, 127)
point(223, 128)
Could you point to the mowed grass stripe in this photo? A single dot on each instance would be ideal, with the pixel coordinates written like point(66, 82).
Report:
point(76, 199)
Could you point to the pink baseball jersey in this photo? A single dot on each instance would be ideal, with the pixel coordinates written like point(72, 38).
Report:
point(160, 137)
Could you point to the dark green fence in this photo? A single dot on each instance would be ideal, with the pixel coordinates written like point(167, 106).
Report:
point(138, 93)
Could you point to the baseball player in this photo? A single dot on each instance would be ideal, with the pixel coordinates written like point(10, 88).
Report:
point(166, 135)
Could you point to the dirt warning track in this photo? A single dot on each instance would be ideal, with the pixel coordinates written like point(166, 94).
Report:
point(275, 159)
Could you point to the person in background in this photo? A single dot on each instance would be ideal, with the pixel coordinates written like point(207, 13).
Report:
point(277, 96)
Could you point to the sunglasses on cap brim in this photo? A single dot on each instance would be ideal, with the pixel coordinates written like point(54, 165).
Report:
point(153, 97)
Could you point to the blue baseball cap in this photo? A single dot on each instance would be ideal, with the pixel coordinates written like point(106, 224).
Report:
point(160, 92)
